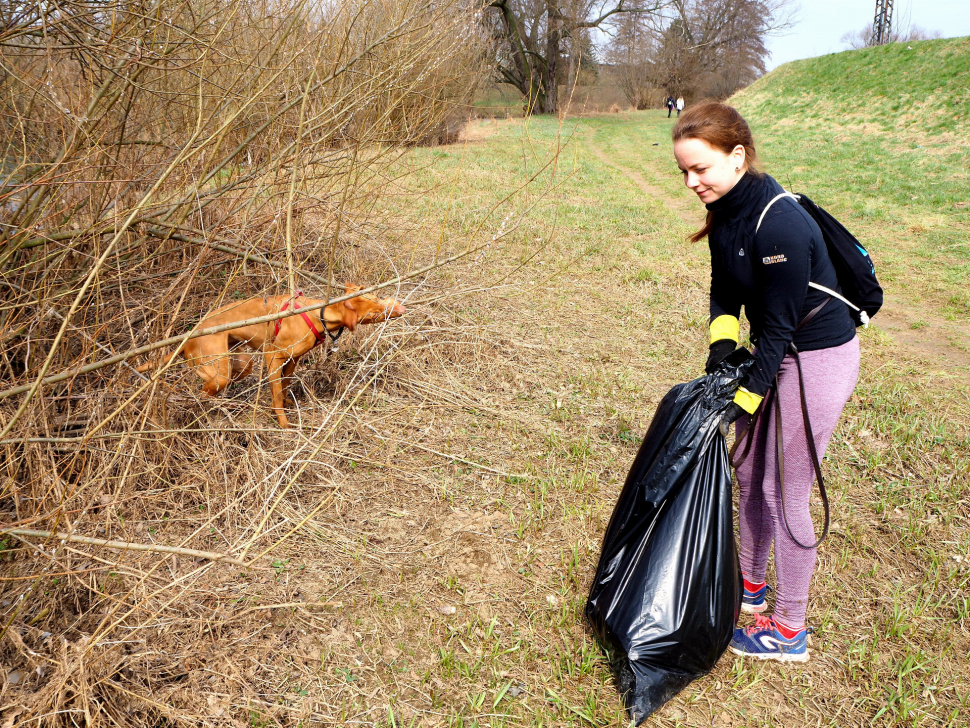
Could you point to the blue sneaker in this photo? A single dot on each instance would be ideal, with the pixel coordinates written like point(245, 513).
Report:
point(754, 602)
point(764, 641)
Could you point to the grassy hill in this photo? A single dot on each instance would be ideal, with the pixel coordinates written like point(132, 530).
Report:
point(880, 136)
point(921, 87)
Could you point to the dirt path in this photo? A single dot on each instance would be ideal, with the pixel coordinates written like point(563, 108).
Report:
point(945, 342)
point(688, 215)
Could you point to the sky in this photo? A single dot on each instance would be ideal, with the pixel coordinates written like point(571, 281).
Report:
point(821, 23)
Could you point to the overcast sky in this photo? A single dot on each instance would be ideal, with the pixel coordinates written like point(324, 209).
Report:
point(821, 23)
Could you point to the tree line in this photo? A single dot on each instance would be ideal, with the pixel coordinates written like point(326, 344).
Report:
point(690, 48)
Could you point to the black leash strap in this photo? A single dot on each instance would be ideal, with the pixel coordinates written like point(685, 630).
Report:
point(747, 434)
point(772, 399)
point(810, 437)
point(333, 337)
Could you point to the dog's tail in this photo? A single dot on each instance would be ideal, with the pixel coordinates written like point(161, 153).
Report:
point(154, 363)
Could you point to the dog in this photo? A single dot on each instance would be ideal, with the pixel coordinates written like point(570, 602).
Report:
point(282, 342)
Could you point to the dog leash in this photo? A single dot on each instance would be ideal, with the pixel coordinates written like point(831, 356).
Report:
point(772, 399)
point(747, 434)
point(309, 322)
point(810, 437)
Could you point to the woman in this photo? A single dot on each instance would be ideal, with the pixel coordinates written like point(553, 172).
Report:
point(768, 273)
point(680, 105)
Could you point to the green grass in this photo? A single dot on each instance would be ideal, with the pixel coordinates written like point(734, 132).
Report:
point(919, 87)
point(618, 298)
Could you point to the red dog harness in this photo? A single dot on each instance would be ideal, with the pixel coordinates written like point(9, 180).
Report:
point(309, 322)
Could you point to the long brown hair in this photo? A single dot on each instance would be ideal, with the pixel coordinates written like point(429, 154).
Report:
point(723, 128)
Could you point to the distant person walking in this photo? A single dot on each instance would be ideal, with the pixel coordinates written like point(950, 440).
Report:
point(680, 105)
point(670, 103)
point(764, 263)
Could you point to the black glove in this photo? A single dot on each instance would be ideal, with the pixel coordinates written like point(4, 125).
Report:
point(719, 352)
point(729, 415)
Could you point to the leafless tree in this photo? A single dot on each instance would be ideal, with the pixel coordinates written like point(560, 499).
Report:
point(866, 38)
point(699, 48)
point(532, 34)
point(629, 57)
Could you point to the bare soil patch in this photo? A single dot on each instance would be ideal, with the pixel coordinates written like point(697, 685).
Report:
point(944, 341)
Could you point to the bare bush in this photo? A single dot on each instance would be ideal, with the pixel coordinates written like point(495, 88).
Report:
point(866, 38)
point(243, 117)
point(159, 158)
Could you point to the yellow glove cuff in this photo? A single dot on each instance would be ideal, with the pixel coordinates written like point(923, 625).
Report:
point(725, 327)
point(748, 401)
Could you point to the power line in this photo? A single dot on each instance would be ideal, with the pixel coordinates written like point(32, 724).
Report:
point(882, 24)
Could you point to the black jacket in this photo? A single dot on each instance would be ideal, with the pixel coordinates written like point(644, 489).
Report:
point(768, 274)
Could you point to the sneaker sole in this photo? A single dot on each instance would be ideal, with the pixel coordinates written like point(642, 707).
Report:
point(754, 609)
point(778, 656)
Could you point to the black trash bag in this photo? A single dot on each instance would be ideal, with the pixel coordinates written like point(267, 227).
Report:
point(667, 592)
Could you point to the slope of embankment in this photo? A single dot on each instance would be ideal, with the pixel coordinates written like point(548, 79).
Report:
point(922, 86)
point(881, 137)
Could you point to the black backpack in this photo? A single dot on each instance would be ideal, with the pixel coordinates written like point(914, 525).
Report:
point(858, 287)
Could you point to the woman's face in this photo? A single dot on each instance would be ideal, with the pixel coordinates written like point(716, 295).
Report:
point(709, 172)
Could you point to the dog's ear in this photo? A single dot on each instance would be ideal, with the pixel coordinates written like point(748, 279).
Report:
point(351, 288)
point(350, 316)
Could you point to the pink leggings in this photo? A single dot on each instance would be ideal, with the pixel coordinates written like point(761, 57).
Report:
point(830, 376)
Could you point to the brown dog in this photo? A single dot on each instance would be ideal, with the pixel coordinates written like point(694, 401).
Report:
point(282, 342)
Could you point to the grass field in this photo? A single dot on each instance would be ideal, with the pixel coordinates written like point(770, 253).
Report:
point(437, 573)
point(623, 323)
point(617, 301)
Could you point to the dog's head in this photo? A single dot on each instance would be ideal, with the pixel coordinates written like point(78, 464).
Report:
point(368, 308)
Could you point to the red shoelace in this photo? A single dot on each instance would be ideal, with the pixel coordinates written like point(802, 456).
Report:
point(761, 621)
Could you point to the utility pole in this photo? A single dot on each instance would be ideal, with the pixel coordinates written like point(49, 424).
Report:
point(882, 24)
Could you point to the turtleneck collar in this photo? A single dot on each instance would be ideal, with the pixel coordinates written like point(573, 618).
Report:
point(734, 200)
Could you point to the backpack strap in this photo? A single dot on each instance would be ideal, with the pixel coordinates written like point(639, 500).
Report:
point(771, 202)
point(863, 316)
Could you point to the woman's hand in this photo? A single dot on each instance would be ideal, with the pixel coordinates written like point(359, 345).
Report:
point(733, 412)
point(719, 351)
